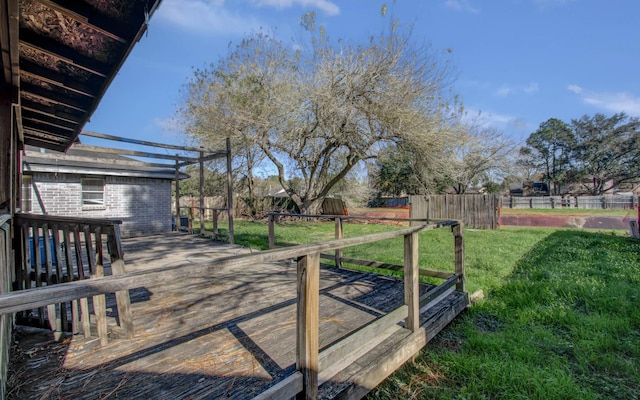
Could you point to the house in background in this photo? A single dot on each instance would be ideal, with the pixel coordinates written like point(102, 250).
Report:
point(87, 183)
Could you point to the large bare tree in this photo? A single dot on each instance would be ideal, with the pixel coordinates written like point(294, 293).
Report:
point(316, 110)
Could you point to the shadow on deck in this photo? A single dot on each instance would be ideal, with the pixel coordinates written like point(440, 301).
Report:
point(231, 334)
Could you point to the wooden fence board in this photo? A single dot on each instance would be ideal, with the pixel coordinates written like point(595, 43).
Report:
point(476, 211)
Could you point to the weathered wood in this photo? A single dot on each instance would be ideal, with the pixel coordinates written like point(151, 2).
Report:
point(285, 389)
point(84, 317)
point(272, 231)
point(438, 290)
point(215, 223)
point(27, 299)
point(374, 368)
point(177, 194)
point(458, 233)
point(46, 241)
point(477, 211)
point(99, 309)
point(339, 235)
point(241, 348)
point(337, 357)
point(230, 193)
point(123, 300)
point(201, 191)
point(395, 267)
point(38, 265)
point(308, 312)
point(411, 282)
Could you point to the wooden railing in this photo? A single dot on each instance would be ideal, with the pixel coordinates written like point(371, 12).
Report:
point(457, 228)
point(312, 367)
point(51, 250)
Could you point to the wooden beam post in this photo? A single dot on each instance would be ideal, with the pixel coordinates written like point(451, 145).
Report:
point(201, 162)
point(117, 268)
point(308, 316)
point(339, 235)
point(411, 288)
point(215, 223)
point(230, 192)
point(177, 195)
point(272, 231)
point(458, 235)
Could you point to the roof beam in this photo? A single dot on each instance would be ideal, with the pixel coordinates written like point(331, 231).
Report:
point(47, 119)
point(64, 59)
point(64, 53)
point(50, 95)
point(98, 24)
point(47, 110)
point(43, 74)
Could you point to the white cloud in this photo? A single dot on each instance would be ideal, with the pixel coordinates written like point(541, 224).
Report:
point(575, 89)
point(551, 3)
point(205, 16)
point(613, 102)
point(506, 90)
point(514, 126)
point(461, 5)
point(325, 6)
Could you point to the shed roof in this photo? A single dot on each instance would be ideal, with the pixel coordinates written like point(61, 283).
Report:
point(85, 161)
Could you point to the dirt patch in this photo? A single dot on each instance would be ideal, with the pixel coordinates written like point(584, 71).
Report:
point(565, 221)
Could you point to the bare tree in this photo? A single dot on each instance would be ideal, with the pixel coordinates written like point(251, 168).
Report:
point(317, 111)
point(477, 154)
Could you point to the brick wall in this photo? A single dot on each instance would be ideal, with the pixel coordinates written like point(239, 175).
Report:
point(143, 204)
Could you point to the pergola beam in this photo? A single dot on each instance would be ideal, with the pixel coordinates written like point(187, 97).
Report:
point(136, 153)
point(152, 144)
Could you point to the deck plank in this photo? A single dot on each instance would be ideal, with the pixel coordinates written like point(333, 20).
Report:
point(228, 335)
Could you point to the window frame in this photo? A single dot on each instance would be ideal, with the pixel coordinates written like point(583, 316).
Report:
point(93, 203)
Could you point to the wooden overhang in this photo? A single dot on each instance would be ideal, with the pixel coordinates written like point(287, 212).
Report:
point(59, 56)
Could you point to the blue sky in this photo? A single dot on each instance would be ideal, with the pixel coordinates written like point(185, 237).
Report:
point(517, 62)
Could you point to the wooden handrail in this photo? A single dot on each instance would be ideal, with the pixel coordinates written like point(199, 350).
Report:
point(36, 297)
point(61, 248)
point(307, 377)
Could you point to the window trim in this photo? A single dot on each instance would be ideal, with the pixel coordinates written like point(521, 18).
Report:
point(85, 206)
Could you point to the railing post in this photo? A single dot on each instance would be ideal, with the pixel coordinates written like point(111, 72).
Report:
point(458, 234)
point(411, 288)
point(339, 235)
point(308, 316)
point(201, 162)
point(215, 223)
point(117, 268)
point(272, 231)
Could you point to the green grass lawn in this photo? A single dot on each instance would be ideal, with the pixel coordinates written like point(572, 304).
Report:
point(560, 318)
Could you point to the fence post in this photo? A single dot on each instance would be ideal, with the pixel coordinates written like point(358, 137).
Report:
point(411, 288)
point(458, 234)
point(339, 235)
point(308, 316)
point(272, 234)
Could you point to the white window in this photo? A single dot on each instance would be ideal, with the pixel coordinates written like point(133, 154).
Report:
point(27, 181)
point(93, 192)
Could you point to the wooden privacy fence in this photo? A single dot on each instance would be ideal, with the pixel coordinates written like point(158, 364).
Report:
point(613, 202)
point(312, 366)
point(476, 211)
point(53, 250)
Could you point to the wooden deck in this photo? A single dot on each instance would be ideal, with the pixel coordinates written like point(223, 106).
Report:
point(228, 335)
